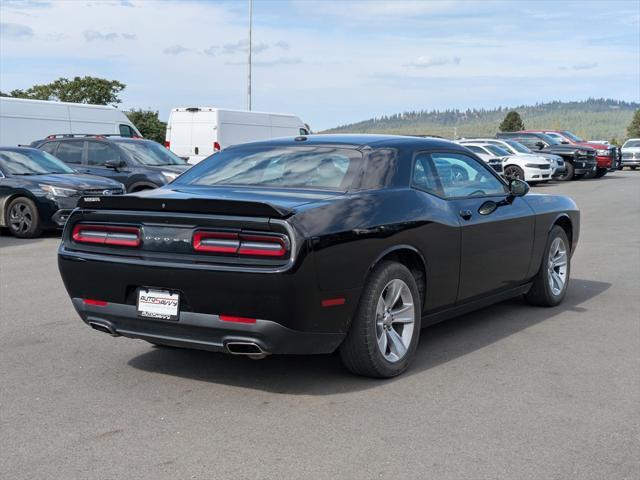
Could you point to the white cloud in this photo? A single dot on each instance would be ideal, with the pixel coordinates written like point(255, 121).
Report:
point(15, 30)
point(427, 62)
point(176, 50)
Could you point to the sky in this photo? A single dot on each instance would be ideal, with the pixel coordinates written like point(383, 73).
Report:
point(329, 62)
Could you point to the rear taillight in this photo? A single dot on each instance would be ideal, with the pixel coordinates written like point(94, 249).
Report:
point(216, 242)
point(244, 244)
point(106, 235)
point(167, 143)
point(216, 147)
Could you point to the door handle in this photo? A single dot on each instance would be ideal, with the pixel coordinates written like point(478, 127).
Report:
point(197, 150)
point(466, 214)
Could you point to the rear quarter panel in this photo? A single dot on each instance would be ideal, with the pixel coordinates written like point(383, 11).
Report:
point(549, 210)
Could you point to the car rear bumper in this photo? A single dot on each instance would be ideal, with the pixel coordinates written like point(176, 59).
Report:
point(204, 331)
point(604, 161)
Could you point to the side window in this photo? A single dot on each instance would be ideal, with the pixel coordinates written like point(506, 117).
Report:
point(530, 142)
point(70, 152)
point(303, 131)
point(99, 153)
point(126, 131)
point(50, 147)
point(463, 176)
point(424, 175)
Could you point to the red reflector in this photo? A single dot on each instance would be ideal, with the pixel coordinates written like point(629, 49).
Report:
point(216, 242)
point(333, 302)
point(230, 318)
point(216, 147)
point(167, 144)
point(96, 303)
point(106, 235)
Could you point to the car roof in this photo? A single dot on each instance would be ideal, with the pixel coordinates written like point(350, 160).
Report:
point(18, 149)
point(358, 141)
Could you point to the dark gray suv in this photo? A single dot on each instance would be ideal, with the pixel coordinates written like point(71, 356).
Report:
point(137, 163)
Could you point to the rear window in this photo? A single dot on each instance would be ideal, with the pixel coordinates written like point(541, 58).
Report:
point(150, 153)
point(284, 167)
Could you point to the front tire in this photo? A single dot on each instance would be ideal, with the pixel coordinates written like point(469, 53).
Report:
point(551, 282)
point(385, 330)
point(601, 172)
point(513, 172)
point(568, 172)
point(23, 219)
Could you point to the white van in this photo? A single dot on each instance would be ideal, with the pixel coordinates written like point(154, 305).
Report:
point(194, 133)
point(22, 121)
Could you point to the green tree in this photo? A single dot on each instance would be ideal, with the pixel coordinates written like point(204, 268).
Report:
point(149, 124)
point(633, 130)
point(512, 122)
point(93, 90)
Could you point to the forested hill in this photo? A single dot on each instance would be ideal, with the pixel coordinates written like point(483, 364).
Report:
point(599, 119)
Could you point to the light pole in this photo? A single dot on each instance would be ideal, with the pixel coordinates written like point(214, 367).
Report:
point(249, 59)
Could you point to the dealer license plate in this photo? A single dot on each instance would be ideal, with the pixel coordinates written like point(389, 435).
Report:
point(161, 304)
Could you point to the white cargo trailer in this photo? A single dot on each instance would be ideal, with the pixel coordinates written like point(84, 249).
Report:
point(23, 121)
point(194, 133)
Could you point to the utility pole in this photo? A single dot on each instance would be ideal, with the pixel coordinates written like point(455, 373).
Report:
point(249, 59)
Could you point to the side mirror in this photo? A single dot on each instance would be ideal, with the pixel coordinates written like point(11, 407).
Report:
point(540, 145)
point(565, 142)
point(115, 164)
point(518, 188)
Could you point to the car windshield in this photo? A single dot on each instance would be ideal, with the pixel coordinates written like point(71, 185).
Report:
point(282, 167)
point(31, 162)
point(572, 137)
point(631, 144)
point(150, 153)
point(499, 151)
point(517, 146)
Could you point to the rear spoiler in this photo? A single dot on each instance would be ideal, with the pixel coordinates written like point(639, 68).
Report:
point(184, 205)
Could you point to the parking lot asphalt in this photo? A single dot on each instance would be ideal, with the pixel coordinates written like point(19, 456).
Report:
point(508, 392)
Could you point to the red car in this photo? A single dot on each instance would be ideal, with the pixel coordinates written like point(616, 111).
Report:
point(605, 154)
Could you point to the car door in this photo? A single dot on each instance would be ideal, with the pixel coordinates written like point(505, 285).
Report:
point(496, 229)
point(98, 154)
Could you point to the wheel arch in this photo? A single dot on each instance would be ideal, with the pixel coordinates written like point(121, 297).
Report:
point(138, 186)
point(6, 201)
point(410, 257)
point(564, 221)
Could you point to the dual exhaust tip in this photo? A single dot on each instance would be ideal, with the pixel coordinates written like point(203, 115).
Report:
point(248, 349)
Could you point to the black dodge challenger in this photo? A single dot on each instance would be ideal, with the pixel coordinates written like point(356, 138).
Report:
point(316, 243)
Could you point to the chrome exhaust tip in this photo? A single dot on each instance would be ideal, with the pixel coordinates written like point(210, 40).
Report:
point(103, 327)
point(248, 349)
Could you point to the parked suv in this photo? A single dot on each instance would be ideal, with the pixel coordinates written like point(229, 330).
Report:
point(578, 160)
point(606, 155)
point(137, 163)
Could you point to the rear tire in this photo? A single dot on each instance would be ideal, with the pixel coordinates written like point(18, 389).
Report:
point(23, 219)
point(384, 333)
point(633, 167)
point(552, 280)
point(590, 174)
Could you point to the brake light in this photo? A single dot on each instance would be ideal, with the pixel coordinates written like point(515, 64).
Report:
point(167, 143)
point(333, 302)
point(240, 243)
point(231, 318)
point(106, 235)
point(216, 147)
point(216, 242)
point(262, 245)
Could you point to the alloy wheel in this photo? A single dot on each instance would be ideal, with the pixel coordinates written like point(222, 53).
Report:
point(20, 217)
point(513, 173)
point(395, 317)
point(557, 267)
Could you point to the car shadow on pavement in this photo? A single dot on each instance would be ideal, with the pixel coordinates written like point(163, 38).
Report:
point(8, 240)
point(324, 375)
